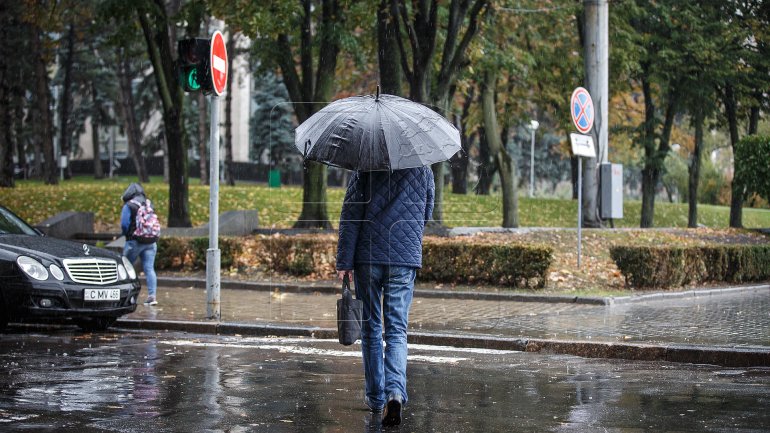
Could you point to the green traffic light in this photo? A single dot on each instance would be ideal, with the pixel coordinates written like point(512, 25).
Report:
point(192, 79)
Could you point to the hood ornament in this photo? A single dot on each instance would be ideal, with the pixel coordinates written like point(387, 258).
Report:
point(86, 249)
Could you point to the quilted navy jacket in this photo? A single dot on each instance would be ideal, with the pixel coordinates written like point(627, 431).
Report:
point(383, 218)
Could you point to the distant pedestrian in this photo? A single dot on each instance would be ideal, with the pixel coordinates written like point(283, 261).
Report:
point(140, 226)
point(380, 238)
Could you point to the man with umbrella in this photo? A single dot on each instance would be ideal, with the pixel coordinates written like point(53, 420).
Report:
point(390, 143)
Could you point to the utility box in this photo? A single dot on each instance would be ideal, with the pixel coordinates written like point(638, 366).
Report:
point(612, 191)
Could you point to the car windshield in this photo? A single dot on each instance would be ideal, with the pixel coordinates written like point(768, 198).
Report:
point(11, 224)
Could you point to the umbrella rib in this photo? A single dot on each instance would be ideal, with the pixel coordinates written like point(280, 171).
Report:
point(405, 116)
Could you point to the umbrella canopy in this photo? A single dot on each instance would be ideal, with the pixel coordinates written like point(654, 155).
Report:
point(371, 133)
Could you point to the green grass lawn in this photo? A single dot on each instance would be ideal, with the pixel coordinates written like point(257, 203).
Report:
point(279, 207)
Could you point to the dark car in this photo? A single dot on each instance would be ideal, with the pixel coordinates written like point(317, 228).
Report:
point(44, 278)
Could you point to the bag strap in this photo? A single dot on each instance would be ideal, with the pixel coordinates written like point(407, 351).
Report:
point(346, 293)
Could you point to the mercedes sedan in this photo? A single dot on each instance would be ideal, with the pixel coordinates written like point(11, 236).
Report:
point(45, 278)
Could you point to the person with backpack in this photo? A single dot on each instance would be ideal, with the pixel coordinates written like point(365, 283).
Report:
point(139, 224)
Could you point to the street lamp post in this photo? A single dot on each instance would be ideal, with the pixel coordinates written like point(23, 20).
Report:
point(533, 125)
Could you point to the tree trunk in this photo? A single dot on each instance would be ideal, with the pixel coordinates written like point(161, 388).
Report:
point(754, 115)
point(157, 39)
point(229, 177)
point(391, 77)
point(65, 140)
point(128, 115)
point(21, 149)
point(650, 177)
point(486, 169)
point(461, 159)
point(6, 132)
point(694, 172)
point(313, 197)
point(314, 213)
point(737, 197)
point(459, 164)
point(502, 159)
point(96, 146)
point(42, 100)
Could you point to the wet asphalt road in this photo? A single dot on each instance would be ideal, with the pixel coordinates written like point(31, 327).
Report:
point(62, 380)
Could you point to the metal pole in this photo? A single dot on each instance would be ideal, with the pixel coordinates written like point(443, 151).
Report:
point(213, 253)
point(532, 166)
point(596, 62)
point(580, 208)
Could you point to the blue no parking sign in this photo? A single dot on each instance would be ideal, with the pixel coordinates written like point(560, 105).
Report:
point(582, 110)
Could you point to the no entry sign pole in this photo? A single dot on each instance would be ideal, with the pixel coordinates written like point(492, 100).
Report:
point(213, 254)
point(582, 111)
point(218, 74)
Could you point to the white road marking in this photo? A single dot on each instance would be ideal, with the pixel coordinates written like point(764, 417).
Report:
point(293, 349)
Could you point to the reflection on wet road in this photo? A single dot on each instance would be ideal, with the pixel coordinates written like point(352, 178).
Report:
point(61, 380)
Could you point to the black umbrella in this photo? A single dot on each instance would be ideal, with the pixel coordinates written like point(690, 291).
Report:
point(377, 132)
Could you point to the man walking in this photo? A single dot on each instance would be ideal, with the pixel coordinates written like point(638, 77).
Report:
point(380, 238)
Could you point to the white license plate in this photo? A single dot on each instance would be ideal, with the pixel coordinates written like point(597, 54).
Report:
point(101, 294)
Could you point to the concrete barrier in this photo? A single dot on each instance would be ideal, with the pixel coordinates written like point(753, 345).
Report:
point(65, 225)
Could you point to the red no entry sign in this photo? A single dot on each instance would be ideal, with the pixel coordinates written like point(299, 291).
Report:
point(582, 110)
point(218, 62)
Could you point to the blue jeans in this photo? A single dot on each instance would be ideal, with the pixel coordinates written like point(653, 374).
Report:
point(393, 286)
point(134, 249)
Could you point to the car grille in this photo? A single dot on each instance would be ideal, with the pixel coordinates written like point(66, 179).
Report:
point(92, 271)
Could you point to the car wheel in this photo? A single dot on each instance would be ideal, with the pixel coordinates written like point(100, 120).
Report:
point(96, 323)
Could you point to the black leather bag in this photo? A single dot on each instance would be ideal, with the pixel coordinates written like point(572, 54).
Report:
point(349, 312)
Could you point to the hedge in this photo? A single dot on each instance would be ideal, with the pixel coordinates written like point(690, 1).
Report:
point(190, 253)
point(513, 265)
point(468, 261)
point(662, 267)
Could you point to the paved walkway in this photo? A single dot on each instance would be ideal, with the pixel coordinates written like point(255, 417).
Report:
point(739, 319)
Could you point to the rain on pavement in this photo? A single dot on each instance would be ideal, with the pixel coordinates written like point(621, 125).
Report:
point(59, 379)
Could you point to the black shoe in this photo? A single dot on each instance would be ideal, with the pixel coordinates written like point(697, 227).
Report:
point(392, 415)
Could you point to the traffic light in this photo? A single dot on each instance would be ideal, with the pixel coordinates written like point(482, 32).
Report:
point(193, 68)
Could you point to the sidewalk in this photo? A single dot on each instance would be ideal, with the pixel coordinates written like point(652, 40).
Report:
point(726, 327)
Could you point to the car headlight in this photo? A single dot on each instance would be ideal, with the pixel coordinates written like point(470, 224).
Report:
point(32, 267)
point(122, 272)
point(129, 268)
point(56, 272)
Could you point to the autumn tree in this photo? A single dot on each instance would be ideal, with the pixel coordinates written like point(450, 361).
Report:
point(302, 40)
point(431, 64)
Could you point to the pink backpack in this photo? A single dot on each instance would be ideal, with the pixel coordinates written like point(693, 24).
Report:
point(147, 225)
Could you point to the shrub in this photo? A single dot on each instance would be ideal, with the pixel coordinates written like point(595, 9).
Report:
point(651, 267)
point(172, 253)
point(473, 261)
point(461, 261)
point(301, 255)
point(229, 249)
point(190, 254)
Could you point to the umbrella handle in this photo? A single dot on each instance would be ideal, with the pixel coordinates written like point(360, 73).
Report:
point(378, 93)
point(307, 144)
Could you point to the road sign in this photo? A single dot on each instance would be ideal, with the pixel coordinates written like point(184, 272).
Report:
point(582, 110)
point(583, 145)
point(218, 62)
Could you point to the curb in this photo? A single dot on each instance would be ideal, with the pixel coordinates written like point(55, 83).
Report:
point(418, 293)
point(475, 296)
point(688, 294)
point(681, 353)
